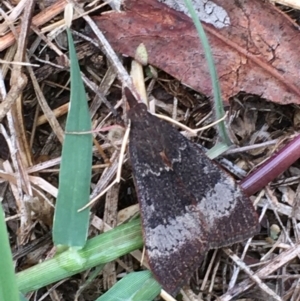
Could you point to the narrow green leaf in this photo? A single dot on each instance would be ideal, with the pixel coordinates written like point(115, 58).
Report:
point(137, 286)
point(8, 284)
point(218, 103)
point(217, 150)
point(70, 226)
point(22, 298)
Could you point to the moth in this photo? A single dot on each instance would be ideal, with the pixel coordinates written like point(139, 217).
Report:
point(188, 203)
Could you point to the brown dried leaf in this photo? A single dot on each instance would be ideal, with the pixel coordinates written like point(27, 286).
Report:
point(257, 53)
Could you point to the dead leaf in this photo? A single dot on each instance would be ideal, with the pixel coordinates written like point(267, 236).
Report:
point(257, 53)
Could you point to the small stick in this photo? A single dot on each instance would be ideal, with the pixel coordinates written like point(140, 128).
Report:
point(122, 152)
point(186, 128)
point(118, 177)
point(253, 277)
point(101, 151)
point(166, 296)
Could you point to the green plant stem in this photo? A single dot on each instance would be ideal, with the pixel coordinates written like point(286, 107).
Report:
point(98, 250)
point(218, 103)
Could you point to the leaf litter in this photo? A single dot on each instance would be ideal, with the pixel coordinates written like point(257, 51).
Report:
point(256, 53)
point(255, 121)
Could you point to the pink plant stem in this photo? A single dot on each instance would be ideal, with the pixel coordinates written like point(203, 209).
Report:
point(272, 168)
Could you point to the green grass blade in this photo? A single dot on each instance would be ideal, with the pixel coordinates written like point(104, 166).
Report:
point(98, 250)
point(70, 226)
point(218, 103)
point(8, 284)
point(136, 286)
point(22, 298)
point(217, 150)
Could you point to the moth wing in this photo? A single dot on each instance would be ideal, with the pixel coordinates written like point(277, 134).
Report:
point(188, 203)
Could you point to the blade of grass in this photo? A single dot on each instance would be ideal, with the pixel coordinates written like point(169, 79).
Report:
point(218, 103)
point(70, 226)
point(217, 150)
point(135, 286)
point(98, 250)
point(22, 298)
point(8, 284)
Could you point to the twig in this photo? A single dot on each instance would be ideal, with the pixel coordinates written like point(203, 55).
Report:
point(109, 52)
point(291, 3)
point(38, 20)
point(251, 274)
point(270, 268)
